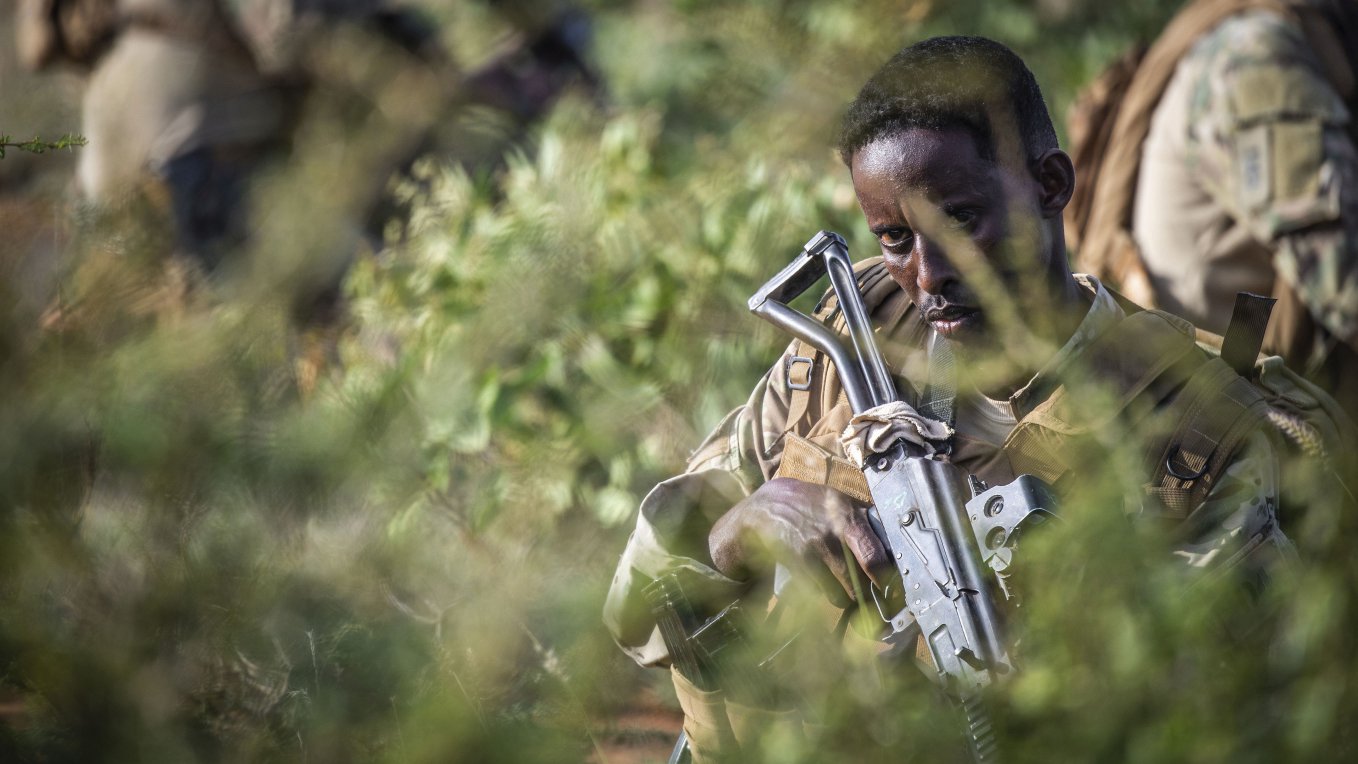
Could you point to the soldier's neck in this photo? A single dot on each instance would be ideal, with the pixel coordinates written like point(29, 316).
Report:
point(1000, 374)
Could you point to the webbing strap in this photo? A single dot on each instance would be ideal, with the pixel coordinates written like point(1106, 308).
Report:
point(813, 378)
point(1216, 412)
point(814, 390)
point(941, 392)
point(805, 461)
point(801, 382)
point(1245, 333)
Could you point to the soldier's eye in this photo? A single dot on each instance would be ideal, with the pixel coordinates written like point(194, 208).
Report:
point(962, 217)
point(895, 237)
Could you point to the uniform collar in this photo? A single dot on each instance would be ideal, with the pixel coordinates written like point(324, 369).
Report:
point(937, 384)
point(1104, 312)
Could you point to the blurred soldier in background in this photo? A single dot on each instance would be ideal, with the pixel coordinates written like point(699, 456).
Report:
point(188, 104)
point(188, 100)
point(184, 100)
point(191, 108)
point(1223, 160)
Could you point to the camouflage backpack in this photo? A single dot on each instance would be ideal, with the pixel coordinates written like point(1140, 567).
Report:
point(1108, 125)
point(1111, 119)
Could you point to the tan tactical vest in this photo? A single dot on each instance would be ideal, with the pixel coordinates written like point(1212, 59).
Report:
point(818, 408)
point(1189, 408)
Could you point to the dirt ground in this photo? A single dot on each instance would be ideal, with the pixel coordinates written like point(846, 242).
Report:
point(643, 734)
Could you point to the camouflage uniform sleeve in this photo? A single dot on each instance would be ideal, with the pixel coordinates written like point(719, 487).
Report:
point(1236, 527)
point(675, 517)
point(1273, 143)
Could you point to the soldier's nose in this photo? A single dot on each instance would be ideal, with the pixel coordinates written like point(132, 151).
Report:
point(934, 271)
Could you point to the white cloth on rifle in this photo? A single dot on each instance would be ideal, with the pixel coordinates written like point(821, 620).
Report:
point(874, 430)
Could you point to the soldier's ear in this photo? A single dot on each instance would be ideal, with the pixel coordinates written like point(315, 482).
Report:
point(1055, 175)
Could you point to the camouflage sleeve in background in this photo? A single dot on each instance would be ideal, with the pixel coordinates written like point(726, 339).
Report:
point(1273, 143)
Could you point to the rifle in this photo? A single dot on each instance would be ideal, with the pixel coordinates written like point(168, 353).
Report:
point(937, 525)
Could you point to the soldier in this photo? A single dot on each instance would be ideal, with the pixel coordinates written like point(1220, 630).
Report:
point(188, 100)
point(188, 103)
point(174, 100)
point(1232, 167)
point(959, 176)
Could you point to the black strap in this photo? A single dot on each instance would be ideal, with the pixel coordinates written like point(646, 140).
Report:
point(1245, 333)
point(1216, 412)
point(940, 393)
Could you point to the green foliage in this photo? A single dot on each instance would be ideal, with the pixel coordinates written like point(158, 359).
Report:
point(556, 324)
point(204, 556)
point(39, 146)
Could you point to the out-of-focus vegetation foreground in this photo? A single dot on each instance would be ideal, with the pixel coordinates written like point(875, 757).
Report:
point(218, 544)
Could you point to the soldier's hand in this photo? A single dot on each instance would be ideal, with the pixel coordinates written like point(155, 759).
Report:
point(814, 530)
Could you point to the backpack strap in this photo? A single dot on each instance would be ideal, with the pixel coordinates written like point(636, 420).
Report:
point(1216, 412)
point(1142, 360)
point(810, 376)
point(814, 391)
point(807, 462)
point(1089, 123)
point(1245, 333)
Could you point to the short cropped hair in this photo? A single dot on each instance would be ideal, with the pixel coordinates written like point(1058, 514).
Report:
point(950, 82)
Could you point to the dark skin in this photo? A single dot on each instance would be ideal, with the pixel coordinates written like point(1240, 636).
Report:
point(939, 209)
point(943, 213)
point(817, 531)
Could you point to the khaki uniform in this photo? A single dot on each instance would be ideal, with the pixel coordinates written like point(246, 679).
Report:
point(157, 96)
point(1044, 429)
point(176, 109)
point(773, 434)
point(1249, 182)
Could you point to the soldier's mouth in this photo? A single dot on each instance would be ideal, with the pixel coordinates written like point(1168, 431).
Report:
point(953, 322)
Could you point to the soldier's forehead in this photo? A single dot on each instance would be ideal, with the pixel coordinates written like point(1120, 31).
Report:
point(925, 159)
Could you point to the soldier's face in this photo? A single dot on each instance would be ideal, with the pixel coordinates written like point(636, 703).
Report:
point(959, 232)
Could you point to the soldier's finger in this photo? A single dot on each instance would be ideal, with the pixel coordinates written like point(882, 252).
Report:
point(867, 549)
point(831, 571)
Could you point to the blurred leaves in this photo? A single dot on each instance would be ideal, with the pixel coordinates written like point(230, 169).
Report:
point(228, 534)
